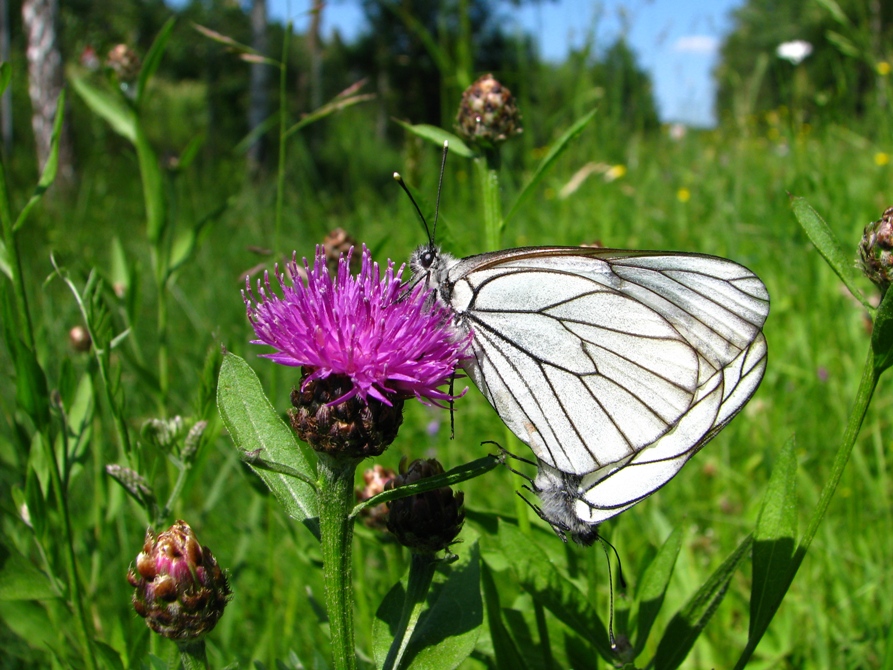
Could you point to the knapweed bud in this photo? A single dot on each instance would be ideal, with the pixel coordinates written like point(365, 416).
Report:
point(79, 339)
point(180, 590)
point(353, 427)
point(336, 244)
point(427, 522)
point(375, 479)
point(876, 250)
point(488, 114)
point(124, 62)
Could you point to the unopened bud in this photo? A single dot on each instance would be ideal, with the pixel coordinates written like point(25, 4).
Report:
point(488, 114)
point(426, 522)
point(180, 589)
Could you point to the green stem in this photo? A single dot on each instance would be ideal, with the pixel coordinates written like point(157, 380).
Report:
point(26, 328)
point(421, 573)
point(192, 654)
point(74, 584)
point(336, 499)
point(163, 379)
point(486, 168)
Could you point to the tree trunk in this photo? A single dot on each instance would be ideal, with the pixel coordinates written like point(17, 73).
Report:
point(258, 105)
point(45, 81)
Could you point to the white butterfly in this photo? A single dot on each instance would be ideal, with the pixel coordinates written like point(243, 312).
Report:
point(615, 367)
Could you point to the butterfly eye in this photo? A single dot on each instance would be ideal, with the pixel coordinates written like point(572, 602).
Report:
point(427, 258)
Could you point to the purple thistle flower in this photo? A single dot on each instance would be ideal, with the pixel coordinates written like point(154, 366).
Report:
point(389, 341)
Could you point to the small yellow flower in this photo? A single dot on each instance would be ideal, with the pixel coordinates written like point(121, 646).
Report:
point(683, 195)
point(881, 158)
point(615, 172)
point(883, 68)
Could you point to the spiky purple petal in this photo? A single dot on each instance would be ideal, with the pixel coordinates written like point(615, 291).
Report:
point(387, 339)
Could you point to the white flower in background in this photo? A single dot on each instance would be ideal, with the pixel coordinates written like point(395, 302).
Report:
point(795, 51)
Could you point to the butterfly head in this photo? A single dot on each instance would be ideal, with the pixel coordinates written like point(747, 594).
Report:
point(558, 494)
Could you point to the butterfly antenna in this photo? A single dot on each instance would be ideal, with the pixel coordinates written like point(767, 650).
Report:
point(605, 544)
point(446, 148)
point(399, 180)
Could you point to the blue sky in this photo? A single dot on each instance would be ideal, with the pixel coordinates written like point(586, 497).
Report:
point(676, 40)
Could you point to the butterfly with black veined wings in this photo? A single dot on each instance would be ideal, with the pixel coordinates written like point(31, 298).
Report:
point(615, 367)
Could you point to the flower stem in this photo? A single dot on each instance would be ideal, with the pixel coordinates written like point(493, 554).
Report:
point(192, 654)
point(336, 499)
point(421, 573)
point(486, 167)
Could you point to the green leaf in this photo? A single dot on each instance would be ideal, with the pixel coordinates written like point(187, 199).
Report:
point(843, 44)
point(438, 136)
point(504, 648)
point(687, 624)
point(827, 244)
point(20, 579)
point(653, 586)
point(185, 243)
point(153, 187)
point(448, 629)
point(882, 334)
point(29, 620)
point(5, 267)
point(153, 59)
point(5, 76)
point(48, 175)
point(118, 115)
point(548, 162)
point(254, 425)
point(328, 109)
point(836, 12)
point(32, 393)
point(539, 577)
point(773, 547)
point(190, 151)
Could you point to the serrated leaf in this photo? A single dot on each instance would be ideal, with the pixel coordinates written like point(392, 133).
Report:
point(253, 424)
point(119, 116)
point(653, 586)
point(448, 629)
point(20, 579)
point(438, 136)
point(153, 59)
point(538, 576)
point(555, 151)
point(686, 625)
point(773, 548)
point(827, 244)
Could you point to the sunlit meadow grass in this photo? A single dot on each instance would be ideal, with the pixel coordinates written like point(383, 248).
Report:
point(737, 205)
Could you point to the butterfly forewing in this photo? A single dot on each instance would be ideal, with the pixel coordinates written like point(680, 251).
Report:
point(613, 366)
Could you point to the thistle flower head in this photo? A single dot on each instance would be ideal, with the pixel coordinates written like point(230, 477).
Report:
point(180, 589)
point(389, 342)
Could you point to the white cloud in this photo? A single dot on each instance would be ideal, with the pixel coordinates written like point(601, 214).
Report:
point(696, 44)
